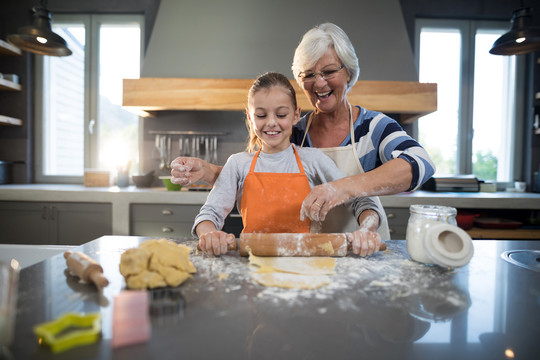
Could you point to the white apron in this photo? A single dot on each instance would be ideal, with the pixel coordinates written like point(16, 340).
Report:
point(341, 218)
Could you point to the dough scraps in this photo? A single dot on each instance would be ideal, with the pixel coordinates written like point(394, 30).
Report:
point(293, 272)
point(156, 263)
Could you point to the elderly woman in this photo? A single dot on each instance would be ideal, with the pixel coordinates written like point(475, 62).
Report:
point(369, 147)
point(375, 153)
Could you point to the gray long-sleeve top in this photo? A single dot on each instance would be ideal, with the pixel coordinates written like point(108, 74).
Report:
point(228, 188)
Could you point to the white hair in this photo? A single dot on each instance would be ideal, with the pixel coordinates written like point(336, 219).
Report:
point(317, 41)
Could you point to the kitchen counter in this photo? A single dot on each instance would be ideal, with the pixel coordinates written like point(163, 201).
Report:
point(121, 198)
point(382, 307)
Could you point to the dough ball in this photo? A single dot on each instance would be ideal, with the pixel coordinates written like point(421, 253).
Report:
point(156, 263)
point(134, 261)
point(170, 254)
point(174, 277)
point(145, 279)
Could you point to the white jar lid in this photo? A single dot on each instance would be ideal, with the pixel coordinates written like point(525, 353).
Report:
point(448, 245)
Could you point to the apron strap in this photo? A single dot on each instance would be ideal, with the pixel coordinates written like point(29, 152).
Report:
point(307, 128)
point(300, 167)
point(254, 161)
point(353, 143)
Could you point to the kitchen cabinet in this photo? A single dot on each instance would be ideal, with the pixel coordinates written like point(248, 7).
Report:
point(7, 49)
point(169, 220)
point(165, 220)
point(53, 223)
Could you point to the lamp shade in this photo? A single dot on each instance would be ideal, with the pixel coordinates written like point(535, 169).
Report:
point(39, 37)
point(522, 37)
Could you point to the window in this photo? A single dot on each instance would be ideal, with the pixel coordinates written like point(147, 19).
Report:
point(474, 129)
point(80, 121)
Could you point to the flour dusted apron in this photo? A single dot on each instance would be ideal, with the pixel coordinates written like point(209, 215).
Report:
point(341, 218)
point(271, 202)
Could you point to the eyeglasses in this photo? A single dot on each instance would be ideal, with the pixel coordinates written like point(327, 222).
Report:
point(311, 76)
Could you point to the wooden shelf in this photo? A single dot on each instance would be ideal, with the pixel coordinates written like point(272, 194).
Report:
point(6, 85)
point(512, 234)
point(142, 96)
point(6, 120)
point(8, 49)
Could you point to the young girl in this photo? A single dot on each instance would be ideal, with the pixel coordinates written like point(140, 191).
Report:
point(269, 185)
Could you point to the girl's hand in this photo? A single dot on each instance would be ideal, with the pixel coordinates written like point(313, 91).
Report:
point(215, 242)
point(186, 170)
point(321, 200)
point(364, 242)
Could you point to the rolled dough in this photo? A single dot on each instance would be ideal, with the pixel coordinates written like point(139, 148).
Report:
point(293, 272)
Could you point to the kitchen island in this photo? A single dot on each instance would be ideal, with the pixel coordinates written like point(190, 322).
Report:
point(382, 307)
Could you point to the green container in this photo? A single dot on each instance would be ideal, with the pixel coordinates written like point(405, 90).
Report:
point(169, 185)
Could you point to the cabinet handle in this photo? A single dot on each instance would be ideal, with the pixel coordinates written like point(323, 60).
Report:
point(235, 216)
point(167, 229)
point(390, 215)
point(166, 212)
point(44, 212)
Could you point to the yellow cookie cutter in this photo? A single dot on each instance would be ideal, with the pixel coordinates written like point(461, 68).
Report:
point(69, 330)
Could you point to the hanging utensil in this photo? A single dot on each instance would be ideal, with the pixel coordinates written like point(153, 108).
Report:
point(214, 152)
point(162, 152)
point(169, 153)
point(181, 146)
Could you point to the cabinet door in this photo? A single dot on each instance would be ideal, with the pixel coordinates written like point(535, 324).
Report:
point(162, 220)
point(397, 222)
point(24, 223)
point(79, 223)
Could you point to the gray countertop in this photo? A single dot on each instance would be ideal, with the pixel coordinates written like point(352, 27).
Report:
point(121, 198)
point(382, 307)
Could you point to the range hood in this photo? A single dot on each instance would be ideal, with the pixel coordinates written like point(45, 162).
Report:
point(145, 96)
point(205, 57)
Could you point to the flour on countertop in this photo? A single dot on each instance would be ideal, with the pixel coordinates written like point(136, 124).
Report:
point(387, 276)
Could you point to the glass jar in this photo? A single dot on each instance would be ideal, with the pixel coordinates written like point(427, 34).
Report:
point(421, 218)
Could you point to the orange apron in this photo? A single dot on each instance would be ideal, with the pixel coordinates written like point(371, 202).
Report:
point(271, 202)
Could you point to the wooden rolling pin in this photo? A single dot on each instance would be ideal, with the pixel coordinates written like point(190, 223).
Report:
point(288, 244)
point(300, 244)
point(86, 268)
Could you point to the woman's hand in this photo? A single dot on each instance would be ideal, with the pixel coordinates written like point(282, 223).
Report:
point(215, 242)
point(321, 200)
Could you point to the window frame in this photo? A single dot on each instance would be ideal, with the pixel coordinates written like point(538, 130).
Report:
point(468, 29)
point(92, 24)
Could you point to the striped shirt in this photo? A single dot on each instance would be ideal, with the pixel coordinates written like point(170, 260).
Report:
point(378, 140)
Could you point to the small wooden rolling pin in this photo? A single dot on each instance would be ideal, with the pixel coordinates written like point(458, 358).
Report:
point(86, 268)
point(288, 244)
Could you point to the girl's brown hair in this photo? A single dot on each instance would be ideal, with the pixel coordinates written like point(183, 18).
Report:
point(266, 81)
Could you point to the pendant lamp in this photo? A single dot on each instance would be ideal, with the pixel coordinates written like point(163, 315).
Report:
point(522, 37)
point(39, 38)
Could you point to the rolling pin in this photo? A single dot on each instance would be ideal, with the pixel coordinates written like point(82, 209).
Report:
point(288, 244)
point(86, 268)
